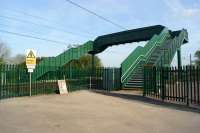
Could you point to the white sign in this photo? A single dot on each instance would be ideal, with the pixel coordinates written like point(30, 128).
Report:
point(30, 70)
point(62, 87)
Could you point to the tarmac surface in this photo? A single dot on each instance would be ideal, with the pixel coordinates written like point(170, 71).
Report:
point(94, 112)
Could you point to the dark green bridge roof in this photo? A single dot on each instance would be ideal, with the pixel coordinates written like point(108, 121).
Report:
point(129, 36)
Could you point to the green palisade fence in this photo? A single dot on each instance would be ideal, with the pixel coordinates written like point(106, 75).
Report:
point(14, 80)
point(173, 83)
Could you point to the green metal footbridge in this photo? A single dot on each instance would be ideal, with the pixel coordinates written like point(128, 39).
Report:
point(160, 49)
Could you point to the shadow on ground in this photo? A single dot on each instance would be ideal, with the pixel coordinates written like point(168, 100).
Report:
point(157, 102)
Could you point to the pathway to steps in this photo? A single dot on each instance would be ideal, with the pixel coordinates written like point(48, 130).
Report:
point(94, 112)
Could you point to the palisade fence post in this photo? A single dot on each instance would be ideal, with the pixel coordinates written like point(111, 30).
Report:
point(92, 72)
point(11, 72)
point(144, 85)
point(156, 80)
point(30, 83)
point(150, 79)
point(162, 83)
point(113, 87)
point(90, 83)
point(187, 86)
point(191, 84)
point(120, 74)
point(194, 83)
point(198, 96)
point(0, 81)
point(6, 81)
point(18, 80)
point(11, 80)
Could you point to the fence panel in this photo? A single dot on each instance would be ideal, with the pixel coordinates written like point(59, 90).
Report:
point(107, 79)
point(173, 84)
point(14, 80)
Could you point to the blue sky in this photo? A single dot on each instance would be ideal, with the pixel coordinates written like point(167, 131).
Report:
point(174, 14)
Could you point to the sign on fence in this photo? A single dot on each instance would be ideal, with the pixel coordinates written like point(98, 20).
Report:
point(62, 87)
point(30, 59)
point(30, 62)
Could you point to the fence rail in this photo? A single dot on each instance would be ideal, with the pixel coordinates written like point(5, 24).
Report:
point(173, 84)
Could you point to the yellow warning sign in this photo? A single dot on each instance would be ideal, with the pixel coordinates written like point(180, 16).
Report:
point(30, 57)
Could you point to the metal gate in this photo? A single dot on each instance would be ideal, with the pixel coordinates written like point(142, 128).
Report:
point(107, 79)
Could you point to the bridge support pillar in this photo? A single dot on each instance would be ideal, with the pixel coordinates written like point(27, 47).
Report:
point(93, 70)
point(179, 57)
point(179, 63)
point(93, 65)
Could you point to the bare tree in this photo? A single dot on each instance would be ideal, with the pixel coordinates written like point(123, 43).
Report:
point(197, 55)
point(4, 53)
point(18, 59)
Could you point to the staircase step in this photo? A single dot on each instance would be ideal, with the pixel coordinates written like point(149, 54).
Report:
point(137, 77)
point(151, 63)
point(153, 59)
point(127, 86)
point(138, 73)
point(135, 81)
point(154, 56)
point(133, 86)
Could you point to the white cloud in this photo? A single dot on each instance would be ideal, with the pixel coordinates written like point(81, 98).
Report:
point(191, 12)
point(180, 10)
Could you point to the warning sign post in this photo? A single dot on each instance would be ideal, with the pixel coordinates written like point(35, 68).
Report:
point(30, 62)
